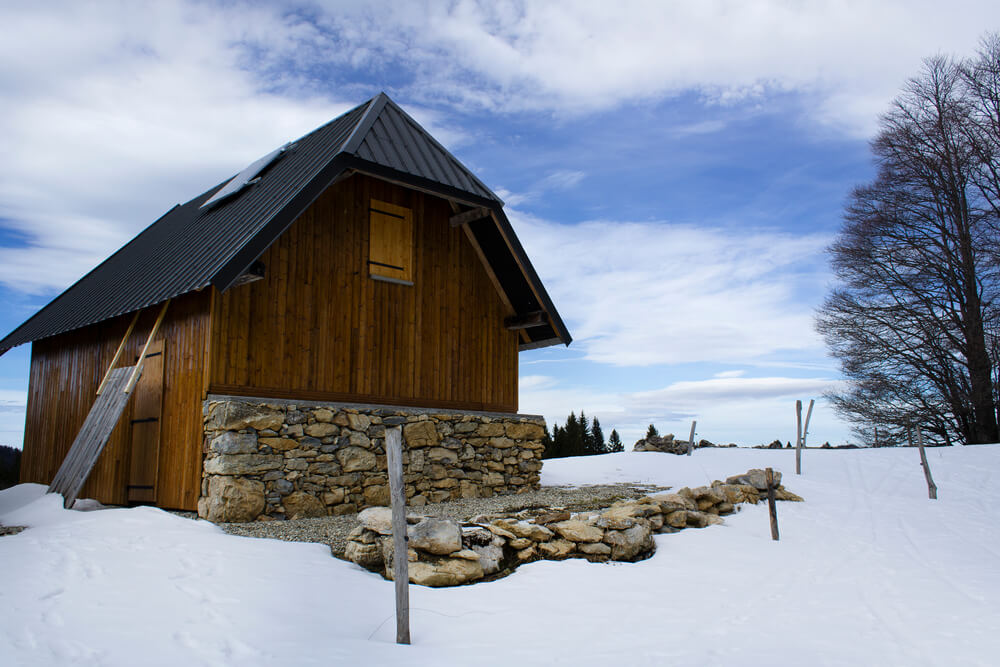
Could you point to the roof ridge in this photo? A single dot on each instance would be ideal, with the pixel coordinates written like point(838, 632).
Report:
point(364, 124)
point(430, 138)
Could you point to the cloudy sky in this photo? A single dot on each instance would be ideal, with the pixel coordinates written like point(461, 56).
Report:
point(674, 169)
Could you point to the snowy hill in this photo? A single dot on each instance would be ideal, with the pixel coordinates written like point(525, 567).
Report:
point(868, 571)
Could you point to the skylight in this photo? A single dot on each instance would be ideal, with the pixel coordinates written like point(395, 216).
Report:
point(245, 177)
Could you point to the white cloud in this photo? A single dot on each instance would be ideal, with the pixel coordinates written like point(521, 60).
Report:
point(849, 56)
point(563, 179)
point(113, 113)
point(730, 374)
point(646, 293)
point(12, 408)
point(747, 411)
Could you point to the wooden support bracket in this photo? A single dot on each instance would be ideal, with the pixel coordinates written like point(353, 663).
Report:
point(118, 352)
point(469, 216)
point(145, 348)
point(526, 321)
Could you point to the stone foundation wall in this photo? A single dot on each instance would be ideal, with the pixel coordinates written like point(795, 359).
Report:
point(276, 460)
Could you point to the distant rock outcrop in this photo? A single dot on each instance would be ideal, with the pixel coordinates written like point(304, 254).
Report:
point(668, 445)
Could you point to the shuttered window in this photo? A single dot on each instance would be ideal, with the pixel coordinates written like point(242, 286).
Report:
point(390, 243)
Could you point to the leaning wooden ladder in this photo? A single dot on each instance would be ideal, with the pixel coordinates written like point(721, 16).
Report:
point(112, 397)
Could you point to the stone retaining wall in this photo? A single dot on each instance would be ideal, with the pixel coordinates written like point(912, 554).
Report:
point(446, 553)
point(276, 460)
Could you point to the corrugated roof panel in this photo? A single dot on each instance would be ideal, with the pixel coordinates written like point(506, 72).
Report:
point(397, 141)
point(183, 250)
point(190, 248)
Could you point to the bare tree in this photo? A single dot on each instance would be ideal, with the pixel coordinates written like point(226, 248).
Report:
point(914, 320)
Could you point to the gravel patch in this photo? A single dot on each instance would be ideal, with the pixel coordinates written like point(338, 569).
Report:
point(333, 530)
point(10, 530)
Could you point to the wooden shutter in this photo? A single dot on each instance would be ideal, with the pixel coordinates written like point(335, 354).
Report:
point(390, 242)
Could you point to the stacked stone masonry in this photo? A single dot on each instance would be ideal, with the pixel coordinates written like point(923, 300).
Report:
point(274, 460)
point(446, 553)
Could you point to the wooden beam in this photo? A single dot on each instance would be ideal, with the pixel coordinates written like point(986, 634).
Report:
point(469, 216)
point(118, 353)
point(526, 321)
point(400, 550)
point(145, 348)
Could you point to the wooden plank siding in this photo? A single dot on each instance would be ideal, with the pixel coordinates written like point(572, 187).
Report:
point(319, 328)
point(65, 372)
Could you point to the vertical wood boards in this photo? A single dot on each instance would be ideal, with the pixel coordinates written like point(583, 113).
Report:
point(318, 327)
point(93, 435)
point(146, 423)
point(65, 372)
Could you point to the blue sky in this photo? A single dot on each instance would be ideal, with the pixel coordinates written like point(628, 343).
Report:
point(675, 170)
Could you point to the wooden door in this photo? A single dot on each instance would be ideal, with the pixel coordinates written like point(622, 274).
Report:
point(147, 406)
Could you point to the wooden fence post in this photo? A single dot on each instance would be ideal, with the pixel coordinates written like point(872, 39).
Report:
point(931, 486)
point(771, 506)
point(691, 439)
point(798, 437)
point(805, 427)
point(400, 560)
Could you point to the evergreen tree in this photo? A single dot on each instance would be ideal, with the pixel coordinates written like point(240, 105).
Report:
point(548, 446)
point(651, 432)
point(615, 442)
point(558, 442)
point(597, 444)
point(571, 435)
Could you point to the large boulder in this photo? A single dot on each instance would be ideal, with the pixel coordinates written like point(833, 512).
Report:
point(524, 431)
point(243, 464)
point(356, 459)
point(302, 505)
point(556, 549)
point(488, 547)
point(420, 434)
point(366, 555)
point(377, 519)
point(672, 502)
point(578, 531)
point(436, 536)
point(232, 499)
point(623, 515)
point(756, 478)
point(631, 544)
point(236, 415)
point(445, 571)
point(527, 530)
point(231, 442)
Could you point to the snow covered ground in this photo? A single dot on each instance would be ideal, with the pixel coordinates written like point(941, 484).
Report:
point(868, 572)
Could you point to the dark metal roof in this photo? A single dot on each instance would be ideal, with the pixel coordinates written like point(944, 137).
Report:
point(190, 248)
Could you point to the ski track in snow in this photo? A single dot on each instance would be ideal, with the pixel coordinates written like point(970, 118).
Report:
point(868, 571)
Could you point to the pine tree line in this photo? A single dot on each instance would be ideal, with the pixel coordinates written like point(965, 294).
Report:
point(578, 437)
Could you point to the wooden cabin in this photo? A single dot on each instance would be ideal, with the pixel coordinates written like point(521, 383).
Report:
point(361, 263)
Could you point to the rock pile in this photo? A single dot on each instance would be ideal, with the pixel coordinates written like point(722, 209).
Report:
point(448, 553)
point(667, 445)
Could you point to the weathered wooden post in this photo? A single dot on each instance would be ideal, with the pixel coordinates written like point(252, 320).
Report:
point(805, 427)
point(798, 437)
point(931, 486)
point(400, 561)
point(771, 506)
point(691, 438)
